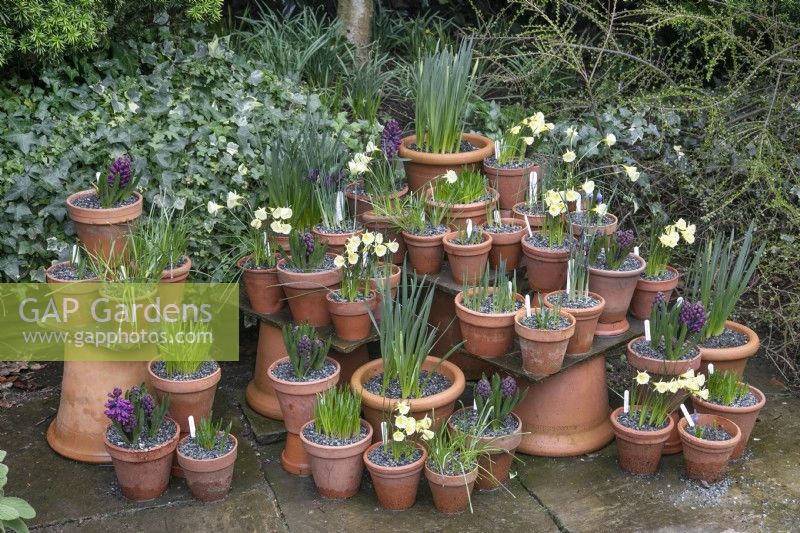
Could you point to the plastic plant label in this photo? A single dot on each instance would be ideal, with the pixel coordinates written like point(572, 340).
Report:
point(338, 216)
point(474, 405)
point(647, 331)
point(497, 150)
point(469, 228)
point(636, 251)
point(528, 305)
point(710, 368)
point(532, 185)
point(578, 204)
point(384, 437)
point(192, 429)
point(569, 271)
point(687, 416)
point(627, 402)
point(528, 224)
point(497, 217)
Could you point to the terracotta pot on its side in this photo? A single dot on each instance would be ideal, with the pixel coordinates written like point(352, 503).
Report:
point(193, 397)
point(383, 225)
point(660, 367)
point(639, 451)
point(511, 183)
point(617, 288)
point(646, 291)
point(744, 417)
point(458, 214)
point(535, 221)
point(307, 293)
point(451, 494)
point(547, 267)
point(486, 335)
point(336, 241)
point(543, 349)
point(425, 252)
point(606, 229)
point(585, 323)
point(507, 246)
point(337, 470)
point(396, 487)
point(422, 167)
point(262, 287)
point(351, 320)
point(178, 274)
point(103, 231)
point(707, 460)
point(209, 479)
point(732, 359)
point(467, 262)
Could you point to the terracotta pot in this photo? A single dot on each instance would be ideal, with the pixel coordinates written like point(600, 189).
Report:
point(646, 291)
point(73, 294)
point(543, 349)
point(467, 262)
point(707, 460)
point(438, 406)
point(732, 359)
point(259, 393)
point(390, 232)
point(606, 229)
point(617, 288)
point(143, 474)
point(547, 267)
point(507, 246)
point(103, 232)
point(396, 487)
point(336, 241)
point(351, 320)
point(458, 214)
point(297, 406)
point(425, 252)
point(585, 323)
point(639, 451)
point(209, 479)
point(660, 367)
point(377, 285)
point(337, 470)
point(262, 287)
point(422, 167)
point(359, 204)
point(511, 183)
point(451, 494)
point(536, 221)
point(673, 444)
point(179, 274)
point(486, 335)
point(194, 397)
point(744, 417)
point(306, 293)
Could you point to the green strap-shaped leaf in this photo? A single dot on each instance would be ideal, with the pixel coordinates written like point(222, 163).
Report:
point(22, 507)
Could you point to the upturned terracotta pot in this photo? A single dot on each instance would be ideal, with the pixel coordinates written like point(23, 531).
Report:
point(143, 474)
point(707, 460)
point(262, 287)
point(585, 323)
point(458, 214)
point(259, 394)
point(103, 231)
point(617, 288)
point(178, 274)
point(660, 367)
point(396, 487)
point(535, 221)
point(486, 334)
point(547, 267)
point(337, 470)
point(507, 246)
point(606, 229)
point(511, 183)
point(438, 406)
point(467, 262)
point(384, 225)
point(639, 451)
point(425, 252)
point(646, 291)
point(297, 407)
point(361, 203)
point(732, 359)
point(336, 241)
point(307, 293)
point(744, 417)
point(422, 167)
point(209, 479)
point(351, 320)
point(543, 349)
point(451, 494)
point(193, 397)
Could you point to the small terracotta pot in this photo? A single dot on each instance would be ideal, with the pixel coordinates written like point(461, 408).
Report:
point(458, 214)
point(377, 286)
point(535, 221)
point(451, 494)
point(732, 359)
point(744, 417)
point(193, 397)
point(143, 474)
point(425, 252)
point(359, 204)
point(336, 241)
point(306, 293)
point(262, 287)
point(646, 291)
point(543, 349)
point(673, 444)
point(337, 470)
point(639, 451)
point(351, 320)
point(396, 487)
point(511, 183)
point(606, 229)
point(422, 167)
point(103, 232)
point(467, 262)
point(179, 274)
point(486, 335)
point(507, 246)
point(209, 479)
point(384, 225)
point(585, 323)
point(547, 267)
point(617, 288)
point(73, 294)
point(660, 367)
point(707, 460)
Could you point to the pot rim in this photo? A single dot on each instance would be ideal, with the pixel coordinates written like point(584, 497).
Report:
point(211, 460)
point(460, 249)
point(434, 240)
point(300, 274)
point(597, 226)
point(582, 311)
point(515, 210)
point(528, 249)
point(717, 445)
point(521, 312)
point(621, 273)
point(736, 352)
point(54, 280)
point(666, 362)
point(113, 215)
point(444, 480)
point(257, 271)
point(348, 191)
point(464, 207)
point(292, 384)
point(522, 170)
point(347, 447)
point(510, 221)
point(459, 302)
point(643, 283)
point(517, 432)
point(213, 378)
point(398, 471)
point(343, 235)
point(159, 450)
point(619, 428)
point(732, 409)
point(457, 158)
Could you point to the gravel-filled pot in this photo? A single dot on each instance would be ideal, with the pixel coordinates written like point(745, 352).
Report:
point(467, 261)
point(706, 460)
point(616, 287)
point(510, 181)
point(744, 416)
point(335, 239)
point(377, 286)
point(426, 251)
point(586, 311)
point(731, 350)
point(177, 273)
point(528, 215)
point(351, 320)
point(395, 485)
point(384, 225)
point(422, 167)
point(608, 226)
point(547, 267)
point(506, 242)
point(307, 292)
point(451, 493)
point(543, 349)
point(103, 232)
point(639, 450)
point(336, 467)
point(189, 395)
point(359, 202)
point(486, 334)
point(476, 211)
point(646, 290)
point(208, 473)
point(644, 358)
point(263, 289)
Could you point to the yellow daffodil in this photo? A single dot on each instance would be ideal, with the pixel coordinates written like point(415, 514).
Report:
point(528, 140)
point(642, 378)
point(400, 420)
point(352, 258)
point(588, 187)
point(552, 196)
point(393, 246)
point(260, 213)
point(378, 238)
point(569, 156)
point(688, 233)
point(610, 139)
point(688, 374)
point(678, 150)
point(380, 250)
point(357, 168)
point(600, 209)
point(280, 227)
point(703, 394)
point(661, 387)
point(234, 200)
point(555, 209)
point(680, 225)
point(450, 176)
point(426, 422)
point(371, 147)
point(571, 195)
point(632, 172)
point(255, 223)
point(399, 436)
point(410, 426)
point(338, 261)
point(403, 408)
point(368, 238)
point(669, 240)
point(213, 207)
point(362, 158)
point(700, 380)
point(673, 386)
point(549, 126)
point(515, 130)
point(572, 133)
point(282, 213)
point(427, 434)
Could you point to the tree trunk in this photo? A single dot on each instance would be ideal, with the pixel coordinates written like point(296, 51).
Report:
point(356, 17)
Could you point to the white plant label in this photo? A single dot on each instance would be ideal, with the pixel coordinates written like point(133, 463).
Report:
point(383, 433)
point(497, 149)
point(627, 401)
point(710, 368)
point(647, 330)
point(679, 301)
point(534, 182)
point(497, 217)
point(192, 429)
point(469, 228)
point(687, 416)
point(338, 216)
point(636, 251)
point(569, 271)
point(528, 224)
point(76, 255)
point(511, 288)
point(474, 405)
point(578, 204)
point(527, 305)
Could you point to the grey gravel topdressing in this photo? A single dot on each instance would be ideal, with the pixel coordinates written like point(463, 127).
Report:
point(487, 306)
point(573, 303)
point(432, 383)
point(207, 368)
point(728, 339)
point(382, 457)
point(664, 276)
point(631, 421)
point(430, 231)
point(359, 190)
point(327, 264)
point(67, 272)
point(711, 433)
point(514, 163)
point(582, 218)
point(502, 228)
point(538, 241)
point(285, 371)
point(527, 209)
point(563, 323)
point(336, 296)
point(347, 228)
point(464, 242)
point(310, 432)
point(465, 146)
point(452, 467)
point(92, 201)
point(164, 434)
point(642, 347)
point(748, 400)
point(192, 449)
point(250, 264)
point(467, 419)
point(631, 262)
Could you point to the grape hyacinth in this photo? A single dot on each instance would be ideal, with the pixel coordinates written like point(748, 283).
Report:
point(624, 238)
point(120, 410)
point(308, 240)
point(508, 387)
point(693, 316)
point(659, 298)
point(483, 388)
point(120, 172)
point(391, 138)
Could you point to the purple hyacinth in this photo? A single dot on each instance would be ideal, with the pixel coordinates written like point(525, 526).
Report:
point(599, 197)
point(304, 346)
point(312, 175)
point(693, 316)
point(120, 410)
point(390, 138)
point(624, 238)
point(307, 239)
point(508, 387)
point(120, 172)
point(659, 298)
point(483, 388)
point(148, 404)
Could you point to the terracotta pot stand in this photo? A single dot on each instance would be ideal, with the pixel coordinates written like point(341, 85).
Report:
point(673, 444)
point(617, 288)
point(259, 394)
point(422, 167)
point(639, 451)
point(733, 359)
point(337, 470)
point(395, 487)
point(744, 417)
point(262, 287)
point(102, 231)
point(467, 262)
point(486, 335)
point(707, 460)
point(511, 183)
point(646, 291)
point(451, 493)
point(209, 479)
point(585, 324)
point(507, 246)
point(306, 293)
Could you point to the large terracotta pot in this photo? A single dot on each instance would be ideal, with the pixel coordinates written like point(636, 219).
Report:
point(467, 261)
point(543, 349)
point(744, 417)
point(143, 474)
point(707, 460)
point(307, 292)
point(646, 291)
point(209, 479)
point(384, 225)
point(547, 267)
point(351, 320)
point(337, 470)
point(336, 241)
point(193, 397)
point(511, 183)
point(458, 214)
point(486, 335)
point(585, 323)
point(732, 359)
point(179, 274)
point(660, 367)
point(262, 287)
point(297, 406)
point(425, 252)
point(103, 232)
point(639, 451)
point(507, 246)
point(438, 406)
point(606, 229)
point(536, 221)
point(359, 204)
point(422, 167)
point(396, 487)
point(617, 288)
point(451, 494)
point(259, 394)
